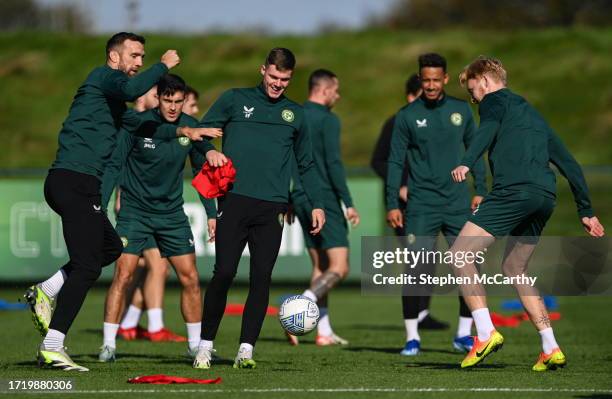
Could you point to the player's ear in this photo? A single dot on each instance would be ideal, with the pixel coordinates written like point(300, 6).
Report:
point(446, 78)
point(113, 55)
point(262, 70)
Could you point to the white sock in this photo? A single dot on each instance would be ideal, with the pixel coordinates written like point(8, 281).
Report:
point(248, 348)
point(193, 334)
point(204, 344)
point(324, 326)
point(110, 334)
point(156, 321)
point(131, 317)
point(549, 343)
point(310, 295)
point(53, 284)
point(412, 329)
point(465, 326)
point(484, 325)
point(423, 314)
point(54, 340)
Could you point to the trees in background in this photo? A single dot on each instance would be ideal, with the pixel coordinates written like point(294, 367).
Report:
point(29, 15)
point(497, 14)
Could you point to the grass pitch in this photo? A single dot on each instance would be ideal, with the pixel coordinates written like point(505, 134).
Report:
point(369, 367)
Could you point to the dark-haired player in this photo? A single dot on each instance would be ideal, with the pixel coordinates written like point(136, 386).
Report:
point(521, 145)
point(72, 188)
point(152, 207)
point(329, 250)
point(413, 91)
point(262, 131)
point(431, 134)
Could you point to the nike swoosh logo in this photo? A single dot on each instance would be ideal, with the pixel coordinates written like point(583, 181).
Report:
point(547, 361)
point(479, 354)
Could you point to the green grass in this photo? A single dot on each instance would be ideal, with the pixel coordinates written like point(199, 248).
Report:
point(375, 329)
point(564, 73)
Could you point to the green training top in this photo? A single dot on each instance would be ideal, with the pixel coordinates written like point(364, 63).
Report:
point(521, 145)
point(431, 137)
point(259, 136)
point(151, 171)
point(325, 130)
point(89, 133)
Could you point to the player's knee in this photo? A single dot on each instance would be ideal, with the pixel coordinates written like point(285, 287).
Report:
point(123, 277)
point(341, 269)
point(190, 280)
point(113, 253)
point(224, 275)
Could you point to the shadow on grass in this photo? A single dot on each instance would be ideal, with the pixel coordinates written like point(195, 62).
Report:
point(378, 327)
point(453, 366)
point(393, 350)
point(595, 396)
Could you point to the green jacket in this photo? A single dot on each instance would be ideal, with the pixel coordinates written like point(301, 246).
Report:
point(98, 110)
point(150, 171)
point(432, 137)
point(325, 128)
point(521, 145)
point(260, 136)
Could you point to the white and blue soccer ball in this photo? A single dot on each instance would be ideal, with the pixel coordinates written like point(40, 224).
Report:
point(298, 315)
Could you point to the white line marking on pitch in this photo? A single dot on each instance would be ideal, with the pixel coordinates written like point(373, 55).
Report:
point(321, 390)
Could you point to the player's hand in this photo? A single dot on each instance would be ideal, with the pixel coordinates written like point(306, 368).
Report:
point(318, 220)
point(459, 173)
point(171, 59)
point(476, 200)
point(352, 216)
point(592, 226)
point(215, 158)
point(198, 133)
point(212, 132)
point(395, 218)
point(403, 193)
point(290, 215)
point(212, 229)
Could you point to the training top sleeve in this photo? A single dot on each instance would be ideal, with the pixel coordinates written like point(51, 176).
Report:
point(571, 170)
point(491, 113)
point(479, 170)
point(302, 148)
point(381, 151)
point(400, 138)
point(113, 169)
point(333, 161)
point(118, 85)
point(220, 112)
point(197, 160)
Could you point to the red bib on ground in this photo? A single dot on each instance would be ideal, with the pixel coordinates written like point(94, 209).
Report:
point(170, 379)
point(213, 182)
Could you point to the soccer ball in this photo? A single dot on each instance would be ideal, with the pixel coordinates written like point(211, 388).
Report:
point(298, 315)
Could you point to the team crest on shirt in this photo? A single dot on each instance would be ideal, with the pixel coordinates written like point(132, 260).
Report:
point(247, 111)
point(184, 141)
point(287, 115)
point(124, 241)
point(422, 123)
point(281, 220)
point(456, 118)
point(148, 143)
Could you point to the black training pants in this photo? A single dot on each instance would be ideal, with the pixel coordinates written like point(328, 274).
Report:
point(90, 239)
point(242, 220)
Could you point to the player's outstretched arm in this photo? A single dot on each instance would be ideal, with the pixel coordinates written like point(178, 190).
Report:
point(479, 171)
point(118, 85)
point(571, 170)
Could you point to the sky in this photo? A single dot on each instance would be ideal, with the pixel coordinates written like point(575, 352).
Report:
point(193, 16)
